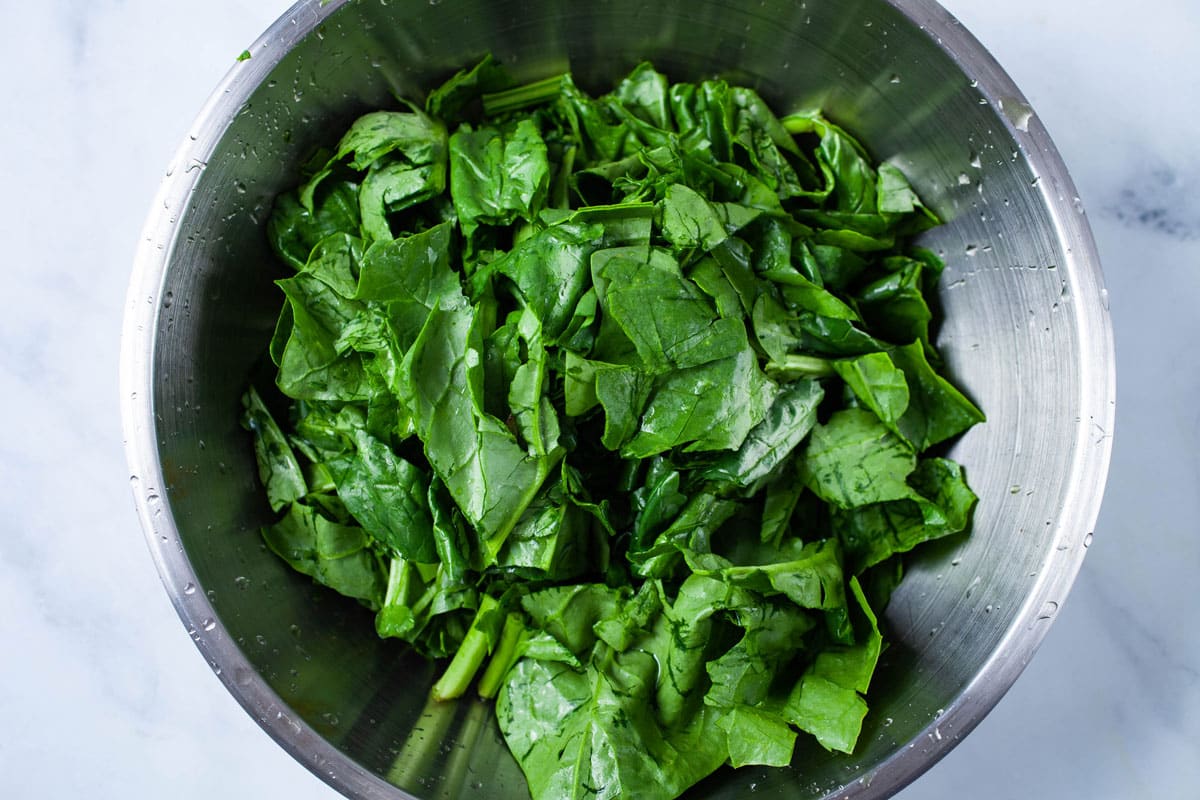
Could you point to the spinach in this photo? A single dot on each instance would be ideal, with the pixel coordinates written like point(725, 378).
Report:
point(625, 405)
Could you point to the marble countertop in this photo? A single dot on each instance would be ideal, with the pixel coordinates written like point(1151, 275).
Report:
point(102, 693)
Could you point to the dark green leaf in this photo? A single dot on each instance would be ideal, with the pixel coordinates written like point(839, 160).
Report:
point(498, 176)
point(788, 421)
point(936, 410)
point(878, 384)
point(854, 460)
point(388, 496)
point(709, 407)
point(278, 468)
point(335, 555)
point(295, 230)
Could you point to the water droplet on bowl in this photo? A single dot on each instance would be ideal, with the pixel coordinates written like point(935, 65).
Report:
point(1048, 610)
point(1018, 112)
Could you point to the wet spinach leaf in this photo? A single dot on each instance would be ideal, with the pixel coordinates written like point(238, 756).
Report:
point(623, 404)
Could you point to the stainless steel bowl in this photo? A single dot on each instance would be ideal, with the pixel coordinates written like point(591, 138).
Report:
point(1027, 333)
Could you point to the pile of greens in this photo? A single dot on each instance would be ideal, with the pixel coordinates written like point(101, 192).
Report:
point(622, 404)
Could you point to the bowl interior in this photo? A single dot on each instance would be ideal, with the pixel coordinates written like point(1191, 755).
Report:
point(1025, 333)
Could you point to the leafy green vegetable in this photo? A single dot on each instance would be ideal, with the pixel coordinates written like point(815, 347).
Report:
point(624, 405)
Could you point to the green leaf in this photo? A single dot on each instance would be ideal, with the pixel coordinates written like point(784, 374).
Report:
point(452, 100)
point(294, 229)
point(417, 138)
point(691, 222)
point(709, 407)
point(690, 532)
point(551, 539)
point(497, 175)
point(936, 410)
point(490, 476)
point(854, 460)
point(757, 737)
point(644, 93)
point(551, 270)
point(393, 188)
point(808, 575)
point(830, 712)
point(388, 496)
point(878, 384)
point(940, 505)
point(335, 555)
point(278, 468)
point(622, 392)
point(412, 272)
point(593, 734)
point(894, 305)
point(311, 365)
point(769, 443)
point(666, 316)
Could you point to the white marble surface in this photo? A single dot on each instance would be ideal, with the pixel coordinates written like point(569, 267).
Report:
point(103, 695)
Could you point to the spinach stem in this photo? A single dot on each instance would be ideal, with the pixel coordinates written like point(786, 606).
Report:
point(470, 655)
point(531, 94)
point(503, 658)
point(796, 366)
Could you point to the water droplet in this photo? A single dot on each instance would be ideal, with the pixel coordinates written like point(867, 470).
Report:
point(972, 249)
point(208, 624)
point(1014, 489)
point(1018, 112)
point(1087, 539)
point(894, 79)
point(168, 299)
point(241, 582)
point(1048, 610)
point(189, 588)
point(976, 161)
point(1104, 298)
point(964, 179)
